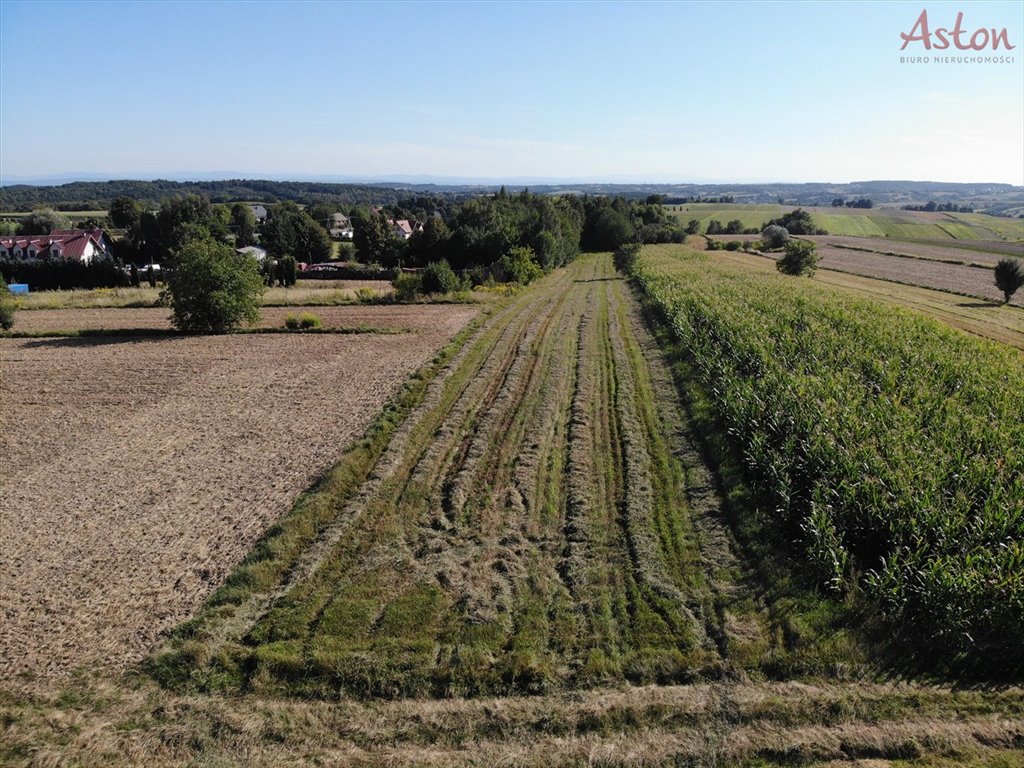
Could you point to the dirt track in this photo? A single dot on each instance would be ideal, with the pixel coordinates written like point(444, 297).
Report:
point(138, 472)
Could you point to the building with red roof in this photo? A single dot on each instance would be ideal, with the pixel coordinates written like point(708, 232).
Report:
point(81, 244)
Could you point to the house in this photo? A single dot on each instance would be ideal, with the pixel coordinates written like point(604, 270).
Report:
point(80, 244)
point(341, 227)
point(260, 212)
point(251, 250)
point(404, 228)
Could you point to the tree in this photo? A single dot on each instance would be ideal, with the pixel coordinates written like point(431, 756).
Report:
point(243, 222)
point(801, 259)
point(374, 239)
point(734, 227)
point(43, 222)
point(212, 288)
point(693, 227)
point(715, 227)
point(428, 244)
point(438, 277)
point(125, 213)
point(1009, 276)
point(798, 222)
point(6, 306)
point(520, 265)
point(774, 236)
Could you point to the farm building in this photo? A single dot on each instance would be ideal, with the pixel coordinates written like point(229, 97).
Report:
point(81, 244)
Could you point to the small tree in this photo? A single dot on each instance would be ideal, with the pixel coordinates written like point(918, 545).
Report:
point(6, 306)
point(438, 277)
point(801, 259)
point(774, 236)
point(1009, 276)
point(519, 265)
point(212, 288)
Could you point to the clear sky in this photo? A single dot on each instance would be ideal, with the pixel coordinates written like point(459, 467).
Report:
point(668, 92)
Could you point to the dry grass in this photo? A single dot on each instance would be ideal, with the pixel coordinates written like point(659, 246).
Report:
point(123, 722)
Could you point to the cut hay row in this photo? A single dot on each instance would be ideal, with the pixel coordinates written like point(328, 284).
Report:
point(525, 529)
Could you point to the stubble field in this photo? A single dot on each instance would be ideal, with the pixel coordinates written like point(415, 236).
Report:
point(139, 471)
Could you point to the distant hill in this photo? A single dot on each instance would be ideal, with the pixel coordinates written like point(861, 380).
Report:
point(999, 199)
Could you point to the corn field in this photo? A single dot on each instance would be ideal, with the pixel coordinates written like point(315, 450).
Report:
point(890, 445)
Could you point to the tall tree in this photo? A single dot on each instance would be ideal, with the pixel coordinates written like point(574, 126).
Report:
point(243, 222)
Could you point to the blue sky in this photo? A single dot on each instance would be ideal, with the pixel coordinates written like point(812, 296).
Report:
point(667, 92)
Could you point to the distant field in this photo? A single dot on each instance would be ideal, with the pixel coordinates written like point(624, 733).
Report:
point(986, 253)
point(888, 223)
point(998, 322)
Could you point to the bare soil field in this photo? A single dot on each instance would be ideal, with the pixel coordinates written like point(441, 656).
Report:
point(440, 318)
point(138, 472)
point(955, 278)
point(987, 253)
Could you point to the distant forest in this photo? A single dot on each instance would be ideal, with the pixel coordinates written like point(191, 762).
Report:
point(997, 199)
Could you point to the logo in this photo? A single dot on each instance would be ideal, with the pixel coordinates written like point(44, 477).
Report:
point(978, 40)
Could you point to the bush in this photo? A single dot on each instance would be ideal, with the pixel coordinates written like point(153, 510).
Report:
point(366, 295)
point(303, 322)
point(626, 256)
point(1009, 277)
point(438, 277)
point(519, 265)
point(774, 236)
point(6, 306)
point(733, 245)
point(212, 288)
point(801, 259)
point(408, 287)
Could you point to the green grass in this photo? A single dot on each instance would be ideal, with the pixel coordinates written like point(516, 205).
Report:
point(873, 222)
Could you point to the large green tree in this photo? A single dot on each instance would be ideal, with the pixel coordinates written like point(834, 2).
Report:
point(212, 289)
point(1009, 277)
point(43, 222)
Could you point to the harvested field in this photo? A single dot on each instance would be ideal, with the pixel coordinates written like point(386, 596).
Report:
point(429, 318)
point(984, 253)
point(138, 472)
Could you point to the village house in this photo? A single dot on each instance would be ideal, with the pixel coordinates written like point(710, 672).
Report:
point(80, 244)
point(404, 228)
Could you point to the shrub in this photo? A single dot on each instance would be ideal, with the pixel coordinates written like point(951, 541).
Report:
point(366, 295)
point(408, 287)
point(519, 265)
point(1009, 277)
point(774, 236)
point(291, 322)
point(308, 320)
point(6, 306)
point(438, 277)
point(626, 256)
point(733, 245)
point(801, 259)
point(212, 288)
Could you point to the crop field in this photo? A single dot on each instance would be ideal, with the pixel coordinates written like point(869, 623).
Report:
point(137, 472)
point(998, 322)
point(889, 223)
point(889, 444)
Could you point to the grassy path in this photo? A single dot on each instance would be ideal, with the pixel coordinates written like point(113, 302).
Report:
point(526, 529)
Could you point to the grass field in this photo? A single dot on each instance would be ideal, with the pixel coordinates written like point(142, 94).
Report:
point(888, 223)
